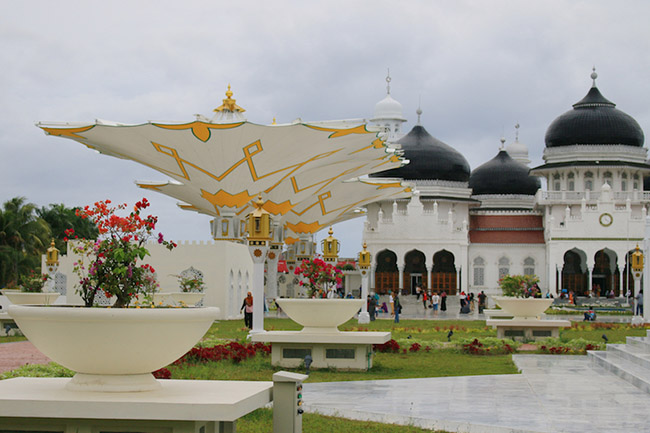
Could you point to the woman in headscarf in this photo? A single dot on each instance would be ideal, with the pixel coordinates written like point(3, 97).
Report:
point(247, 307)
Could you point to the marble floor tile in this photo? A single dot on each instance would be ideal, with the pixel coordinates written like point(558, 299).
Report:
point(552, 394)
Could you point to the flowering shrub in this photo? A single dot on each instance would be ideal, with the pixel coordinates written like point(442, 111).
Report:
point(189, 284)
point(389, 346)
point(234, 351)
point(33, 283)
point(318, 275)
point(415, 347)
point(518, 286)
point(110, 263)
point(490, 346)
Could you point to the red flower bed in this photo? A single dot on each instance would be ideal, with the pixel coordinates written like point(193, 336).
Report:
point(163, 373)
point(389, 346)
point(415, 347)
point(234, 351)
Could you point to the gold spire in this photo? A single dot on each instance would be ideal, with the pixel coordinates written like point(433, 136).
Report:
point(229, 103)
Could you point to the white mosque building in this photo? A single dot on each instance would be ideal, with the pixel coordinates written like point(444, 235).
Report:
point(464, 229)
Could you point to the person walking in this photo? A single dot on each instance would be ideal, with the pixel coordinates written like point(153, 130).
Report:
point(443, 301)
point(396, 306)
point(481, 302)
point(435, 301)
point(247, 306)
point(639, 303)
point(425, 298)
point(372, 307)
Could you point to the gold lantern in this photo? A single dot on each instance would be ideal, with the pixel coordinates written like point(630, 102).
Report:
point(330, 247)
point(637, 261)
point(364, 258)
point(52, 255)
point(258, 224)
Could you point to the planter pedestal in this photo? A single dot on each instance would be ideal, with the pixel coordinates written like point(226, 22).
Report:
point(320, 338)
point(527, 329)
point(526, 323)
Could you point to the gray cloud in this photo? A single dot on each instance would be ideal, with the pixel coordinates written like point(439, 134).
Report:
point(478, 67)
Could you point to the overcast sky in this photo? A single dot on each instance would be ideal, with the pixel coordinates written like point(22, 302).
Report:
point(477, 68)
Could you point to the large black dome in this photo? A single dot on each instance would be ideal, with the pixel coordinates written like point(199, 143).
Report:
point(594, 120)
point(430, 159)
point(503, 175)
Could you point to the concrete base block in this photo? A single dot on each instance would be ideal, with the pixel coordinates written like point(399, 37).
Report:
point(530, 329)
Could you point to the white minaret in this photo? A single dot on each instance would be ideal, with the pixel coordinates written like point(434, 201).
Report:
point(388, 114)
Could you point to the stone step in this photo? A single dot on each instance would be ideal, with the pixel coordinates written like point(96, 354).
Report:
point(639, 343)
point(631, 353)
point(630, 371)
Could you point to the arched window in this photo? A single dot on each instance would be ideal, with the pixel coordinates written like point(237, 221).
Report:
point(504, 267)
point(529, 266)
point(589, 182)
point(571, 184)
point(607, 178)
point(479, 271)
point(636, 181)
point(556, 182)
point(624, 182)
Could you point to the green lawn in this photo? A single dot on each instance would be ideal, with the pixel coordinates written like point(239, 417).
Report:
point(442, 359)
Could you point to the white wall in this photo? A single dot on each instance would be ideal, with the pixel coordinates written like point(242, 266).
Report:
point(217, 260)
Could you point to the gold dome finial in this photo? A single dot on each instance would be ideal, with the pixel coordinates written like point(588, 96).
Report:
point(229, 103)
point(330, 232)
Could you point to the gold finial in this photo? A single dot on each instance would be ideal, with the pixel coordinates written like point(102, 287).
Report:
point(273, 121)
point(365, 247)
point(330, 232)
point(229, 103)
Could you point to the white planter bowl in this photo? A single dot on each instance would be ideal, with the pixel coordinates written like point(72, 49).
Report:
point(523, 308)
point(113, 349)
point(320, 315)
point(26, 298)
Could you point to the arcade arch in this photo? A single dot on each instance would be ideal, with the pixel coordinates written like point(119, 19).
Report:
point(443, 275)
point(415, 271)
point(386, 273)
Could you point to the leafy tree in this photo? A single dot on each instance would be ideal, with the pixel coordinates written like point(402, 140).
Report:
point(24, 236)
point(61, 218)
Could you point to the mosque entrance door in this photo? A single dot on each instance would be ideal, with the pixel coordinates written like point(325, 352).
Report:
point(386, 274)
point(443, 276)
point(416, 280)
point(574, 278)
point(414, 269)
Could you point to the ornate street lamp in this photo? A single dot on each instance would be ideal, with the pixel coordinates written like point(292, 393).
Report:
point(52, 265)
point(330, 247)
point(364, 264)
point(258, 229)
point(637, 272)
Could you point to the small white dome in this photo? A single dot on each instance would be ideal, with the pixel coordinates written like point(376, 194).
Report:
point(518, 151)
point(388, 108)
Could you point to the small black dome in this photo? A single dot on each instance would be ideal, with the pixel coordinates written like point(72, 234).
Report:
point(594, 120)
point(503, 175)
point(430, 159)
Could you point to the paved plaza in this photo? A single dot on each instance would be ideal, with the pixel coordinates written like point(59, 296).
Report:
point(553, 394)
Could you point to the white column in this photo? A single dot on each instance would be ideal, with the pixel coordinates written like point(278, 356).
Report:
point(364, 317)
point(348, 289)
point(258, 250)
point(591, 279)
point(400, 283)
point(373, 269)
point(272, 271)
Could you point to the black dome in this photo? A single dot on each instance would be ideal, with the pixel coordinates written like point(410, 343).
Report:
point(430, 159)
point(503, 175)
point(594, 120)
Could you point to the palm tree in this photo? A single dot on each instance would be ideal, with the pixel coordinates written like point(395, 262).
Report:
point(61, 218)
point(23, 238)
